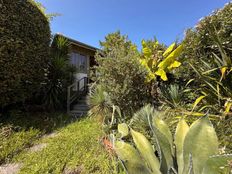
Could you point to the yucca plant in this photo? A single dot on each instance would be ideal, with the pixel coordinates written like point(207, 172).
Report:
point(99, 102)
point(172, 95)
point(193, 150)
point(59, 74)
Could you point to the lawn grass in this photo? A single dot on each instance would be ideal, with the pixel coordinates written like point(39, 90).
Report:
point(16, 142)
point(76, 147)
point(20, 130)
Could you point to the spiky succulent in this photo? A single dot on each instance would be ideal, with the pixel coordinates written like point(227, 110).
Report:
point(193, 150)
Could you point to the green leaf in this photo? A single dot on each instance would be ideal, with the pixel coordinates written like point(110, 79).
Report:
point(123, 129)
point(146, 151)
point(169, 49)
point(218, 164)
point(131, 158)
point(191, 80)
point(164, 139)
point(175, 64)
point(162, 74)
point(171, 58)
point(181, 131)
point(144, 62)
point(228, 106)
point(147, 52)
point(198, 100)
point(150, 77)
point(201, 142)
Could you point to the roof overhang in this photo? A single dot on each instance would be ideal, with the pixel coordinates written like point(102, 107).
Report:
point(77, 43)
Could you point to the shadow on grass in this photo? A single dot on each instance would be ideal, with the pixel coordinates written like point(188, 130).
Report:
point(42, 121)
point(20, 130)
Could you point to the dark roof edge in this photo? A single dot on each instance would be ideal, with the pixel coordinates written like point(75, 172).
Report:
point(81, 44)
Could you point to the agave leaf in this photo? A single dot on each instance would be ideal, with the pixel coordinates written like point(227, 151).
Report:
point(181, 131)
point(197, 101)
point(131, 158)
point(218, 164)
point(137, 169)
point(164, 139)
point(201, 142)
point(126, 152)
point(146, 151)
point(163, 128)
point(123, 129)
point(169, 49)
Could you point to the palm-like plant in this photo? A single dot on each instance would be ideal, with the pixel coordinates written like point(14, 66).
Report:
point(172, 95)
point(59, 75)
point(99, 102)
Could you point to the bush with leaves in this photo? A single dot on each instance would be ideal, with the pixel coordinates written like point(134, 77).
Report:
point(121, 75)
point(199, 43)
point(208, 59)
point(24, 50)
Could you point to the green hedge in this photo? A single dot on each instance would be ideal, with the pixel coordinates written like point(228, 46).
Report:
point(24, 49)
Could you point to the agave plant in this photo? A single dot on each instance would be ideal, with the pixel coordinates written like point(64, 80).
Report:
point(193, 150)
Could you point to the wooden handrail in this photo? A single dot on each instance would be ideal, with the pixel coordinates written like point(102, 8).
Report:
point(77, 91)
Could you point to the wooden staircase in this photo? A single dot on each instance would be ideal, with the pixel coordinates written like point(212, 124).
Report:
point(77, 98)
point(80, 108)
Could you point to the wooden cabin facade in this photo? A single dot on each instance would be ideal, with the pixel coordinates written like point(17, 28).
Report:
point(82, 57)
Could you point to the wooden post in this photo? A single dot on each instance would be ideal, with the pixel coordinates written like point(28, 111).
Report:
point(68, 100)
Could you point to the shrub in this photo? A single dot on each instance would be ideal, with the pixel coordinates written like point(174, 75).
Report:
point(199, 42)
point(207, 48)
point(121, 74)
point(123, 79)
point(25, 38)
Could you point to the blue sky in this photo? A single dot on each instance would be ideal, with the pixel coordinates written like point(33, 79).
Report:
point(89, 21)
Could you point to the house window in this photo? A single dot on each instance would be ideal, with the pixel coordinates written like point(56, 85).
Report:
point(80, 62)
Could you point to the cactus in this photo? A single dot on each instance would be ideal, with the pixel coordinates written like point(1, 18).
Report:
point(194, 150)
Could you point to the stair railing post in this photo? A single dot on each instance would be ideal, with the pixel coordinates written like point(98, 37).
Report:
point(68, 100)
point(78, 86)
point(85, 83)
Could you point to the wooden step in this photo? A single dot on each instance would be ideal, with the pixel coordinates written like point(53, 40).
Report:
point(77, 114)
point(80, 107)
